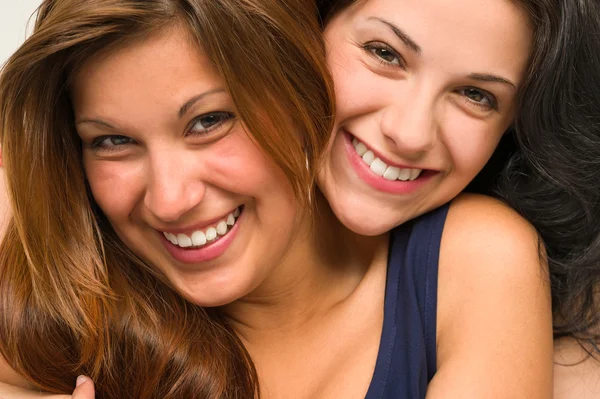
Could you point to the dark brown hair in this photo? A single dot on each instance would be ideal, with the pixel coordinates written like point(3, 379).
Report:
point(73, 299)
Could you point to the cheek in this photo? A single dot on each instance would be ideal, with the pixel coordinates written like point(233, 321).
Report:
point(358, 89)
point(242, 168)
point(471, 145)
point(114, 186)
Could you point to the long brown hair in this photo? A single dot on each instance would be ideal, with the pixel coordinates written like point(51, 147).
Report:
point(73, 299)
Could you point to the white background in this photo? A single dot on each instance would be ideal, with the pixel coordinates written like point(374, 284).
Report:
point(14, 15)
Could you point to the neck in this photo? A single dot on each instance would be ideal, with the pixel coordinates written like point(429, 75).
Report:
point(325, 266)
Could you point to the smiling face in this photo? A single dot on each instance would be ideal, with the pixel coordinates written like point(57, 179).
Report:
point(175, 173)
point(425, 89)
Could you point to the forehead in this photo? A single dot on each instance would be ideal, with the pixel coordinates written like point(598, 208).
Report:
point(159, 72)
point(491, 34)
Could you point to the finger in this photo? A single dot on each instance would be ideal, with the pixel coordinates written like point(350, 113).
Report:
point(84, 388)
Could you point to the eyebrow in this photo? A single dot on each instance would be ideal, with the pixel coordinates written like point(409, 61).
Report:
point(190, 103)
point(408, 41)
point(483, 77)
point(182, 110)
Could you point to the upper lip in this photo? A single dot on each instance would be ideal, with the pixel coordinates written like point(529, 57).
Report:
point(189, 229)
point(383, 158)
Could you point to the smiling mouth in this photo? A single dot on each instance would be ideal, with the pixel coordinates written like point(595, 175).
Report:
point(380, 168)
point(206, 236)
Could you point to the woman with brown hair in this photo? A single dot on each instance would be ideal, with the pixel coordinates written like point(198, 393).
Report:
point(88, 171)
point(166, 241)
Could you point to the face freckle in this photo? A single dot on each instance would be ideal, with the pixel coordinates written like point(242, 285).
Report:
point(423, 97)
point(161, 183)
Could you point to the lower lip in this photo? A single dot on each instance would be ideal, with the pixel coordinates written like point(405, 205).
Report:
point(378, 182)
point(208, 251)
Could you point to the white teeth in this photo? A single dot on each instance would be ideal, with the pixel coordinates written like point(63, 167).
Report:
point(222, 228)
point(414, 173)
point(378, 167)
point(230, 220)
point(184, 241)
point(198, 238)
point(391, 173)
point(404, 174)
point(211, 234)
point(368, 157)
point(360, 148)
point(171, 237)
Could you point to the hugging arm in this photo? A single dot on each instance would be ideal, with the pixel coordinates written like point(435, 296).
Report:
point(494, 306)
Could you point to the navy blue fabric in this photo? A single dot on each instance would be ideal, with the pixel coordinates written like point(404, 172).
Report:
point(407, 352)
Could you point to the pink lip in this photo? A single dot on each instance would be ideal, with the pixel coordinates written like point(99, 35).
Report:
point(378, 182)
point(188, 230)
point(207, 252)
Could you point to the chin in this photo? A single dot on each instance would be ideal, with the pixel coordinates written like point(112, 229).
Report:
point(360, 221)
point(214, 294)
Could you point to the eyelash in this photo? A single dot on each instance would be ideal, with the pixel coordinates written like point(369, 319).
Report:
point(97, 143)
point(492, 102)
point(228, 116)
point(371, 47)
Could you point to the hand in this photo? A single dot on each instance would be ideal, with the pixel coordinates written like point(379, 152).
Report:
point(84, 388)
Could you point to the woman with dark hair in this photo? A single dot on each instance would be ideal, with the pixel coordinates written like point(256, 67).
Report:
point(398, 98)
point(165, 240)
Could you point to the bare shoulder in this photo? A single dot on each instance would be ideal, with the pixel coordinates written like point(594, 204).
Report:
point(494, 308)
point(576, 373)
point(489, 223)
point(486, 242)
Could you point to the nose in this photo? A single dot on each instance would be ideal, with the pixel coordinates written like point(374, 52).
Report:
point(174, 187)
point(408, 125)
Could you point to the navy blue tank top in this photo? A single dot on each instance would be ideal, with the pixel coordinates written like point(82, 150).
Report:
point(406, 361)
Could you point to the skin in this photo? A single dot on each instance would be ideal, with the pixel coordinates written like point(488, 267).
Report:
point(422, 108)
point(494, 303)
point(438, 96)
point(576, 374)
point(287, 284)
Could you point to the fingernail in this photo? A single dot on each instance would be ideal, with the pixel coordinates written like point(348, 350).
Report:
point(80, 380)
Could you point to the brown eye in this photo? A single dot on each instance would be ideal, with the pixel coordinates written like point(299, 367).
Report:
point(475, 95)
point(111, 142)
point(479, 97)
point(384, 54)
point(206, 123)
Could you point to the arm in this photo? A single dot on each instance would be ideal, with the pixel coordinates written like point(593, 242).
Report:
point(494, 306)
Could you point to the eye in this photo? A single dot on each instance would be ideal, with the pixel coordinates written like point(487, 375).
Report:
point(206, 123)
point(384, 54)
point(110, 142)
point(479, 97)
